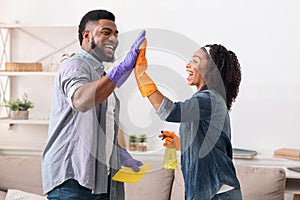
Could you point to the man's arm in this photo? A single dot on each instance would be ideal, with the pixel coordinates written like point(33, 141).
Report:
point(91, 94)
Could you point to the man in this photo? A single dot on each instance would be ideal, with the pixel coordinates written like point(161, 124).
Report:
point(82, 152)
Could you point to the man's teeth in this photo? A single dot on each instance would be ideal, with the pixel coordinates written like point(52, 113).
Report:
point(109, 46)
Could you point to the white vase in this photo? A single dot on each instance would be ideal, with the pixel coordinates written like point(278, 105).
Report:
point(19, 114)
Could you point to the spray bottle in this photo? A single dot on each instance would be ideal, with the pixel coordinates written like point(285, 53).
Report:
point(170, 158)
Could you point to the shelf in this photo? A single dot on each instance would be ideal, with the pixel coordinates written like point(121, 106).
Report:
point(27, 121)
point(11, 122)
point(292, 186)
point(4, 25)
point(9, 150)
point(41, 39)
point(159, 152)
point(6, 73)
point(32, 43)
point(18, 148)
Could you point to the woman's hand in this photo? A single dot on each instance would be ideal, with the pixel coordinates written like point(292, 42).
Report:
point(171, 139)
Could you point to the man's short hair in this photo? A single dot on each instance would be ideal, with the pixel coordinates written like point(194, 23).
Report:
point(93, 15)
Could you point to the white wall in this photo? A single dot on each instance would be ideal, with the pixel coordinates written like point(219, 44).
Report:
point(263, 34)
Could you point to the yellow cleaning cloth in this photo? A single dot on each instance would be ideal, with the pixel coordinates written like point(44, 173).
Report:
point(126, 174)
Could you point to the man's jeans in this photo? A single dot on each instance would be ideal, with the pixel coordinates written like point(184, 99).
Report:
point(71, 190)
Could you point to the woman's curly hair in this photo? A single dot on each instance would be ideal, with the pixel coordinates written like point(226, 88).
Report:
point(228, 68)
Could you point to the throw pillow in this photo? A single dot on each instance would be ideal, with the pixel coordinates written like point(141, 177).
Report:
point(155, 185)
point(21, 195)
point(21, 173)
point(2, 195)
point(260, 183)
point(177, 192)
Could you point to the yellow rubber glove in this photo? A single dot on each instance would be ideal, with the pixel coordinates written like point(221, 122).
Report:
point(171, 139)
point(144, 82)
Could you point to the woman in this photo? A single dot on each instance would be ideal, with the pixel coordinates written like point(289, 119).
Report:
point(206, 151)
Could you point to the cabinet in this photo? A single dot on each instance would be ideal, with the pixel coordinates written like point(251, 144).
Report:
point(32, 43)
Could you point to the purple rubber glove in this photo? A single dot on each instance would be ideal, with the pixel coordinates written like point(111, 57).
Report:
point(128, 161)
point(120, 73)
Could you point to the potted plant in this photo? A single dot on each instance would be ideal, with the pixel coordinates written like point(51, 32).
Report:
point(66, 56)
point(142, 142)
point(19, 108)
point(132, 142)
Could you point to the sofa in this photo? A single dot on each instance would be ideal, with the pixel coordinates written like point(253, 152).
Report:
point(20, 178)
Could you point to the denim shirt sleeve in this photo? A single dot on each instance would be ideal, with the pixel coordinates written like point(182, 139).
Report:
point(165, 108)
point(192, 109)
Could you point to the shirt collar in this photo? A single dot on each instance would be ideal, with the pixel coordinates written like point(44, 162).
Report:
point(203, 88)
point(84, 53)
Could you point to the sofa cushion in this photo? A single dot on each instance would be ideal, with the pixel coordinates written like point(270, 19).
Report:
point(21, 195)
point(155, 185)
point(22, 173)
point(259, 183)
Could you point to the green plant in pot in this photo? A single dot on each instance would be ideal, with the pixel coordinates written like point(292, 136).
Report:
point(19, 107)
point(132, 142)
point(66, 56)
point(142, 142)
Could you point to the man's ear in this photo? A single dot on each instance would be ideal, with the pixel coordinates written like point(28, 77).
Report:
point(86, 35)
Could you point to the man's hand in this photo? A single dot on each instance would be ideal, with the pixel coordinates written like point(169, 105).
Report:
point(171, 139)
point(128, 161)
point(120, 73)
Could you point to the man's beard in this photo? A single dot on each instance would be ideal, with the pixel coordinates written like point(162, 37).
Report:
point(99, 54)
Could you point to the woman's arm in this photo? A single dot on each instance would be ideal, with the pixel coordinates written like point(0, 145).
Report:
point(188, 110)
point(156, 99)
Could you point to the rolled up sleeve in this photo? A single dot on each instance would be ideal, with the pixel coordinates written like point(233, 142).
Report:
point(165, 109)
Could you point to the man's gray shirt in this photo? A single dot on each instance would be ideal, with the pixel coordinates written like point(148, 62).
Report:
point(76, 140)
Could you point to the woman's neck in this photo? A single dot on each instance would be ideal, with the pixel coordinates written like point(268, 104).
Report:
point(200, 86)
